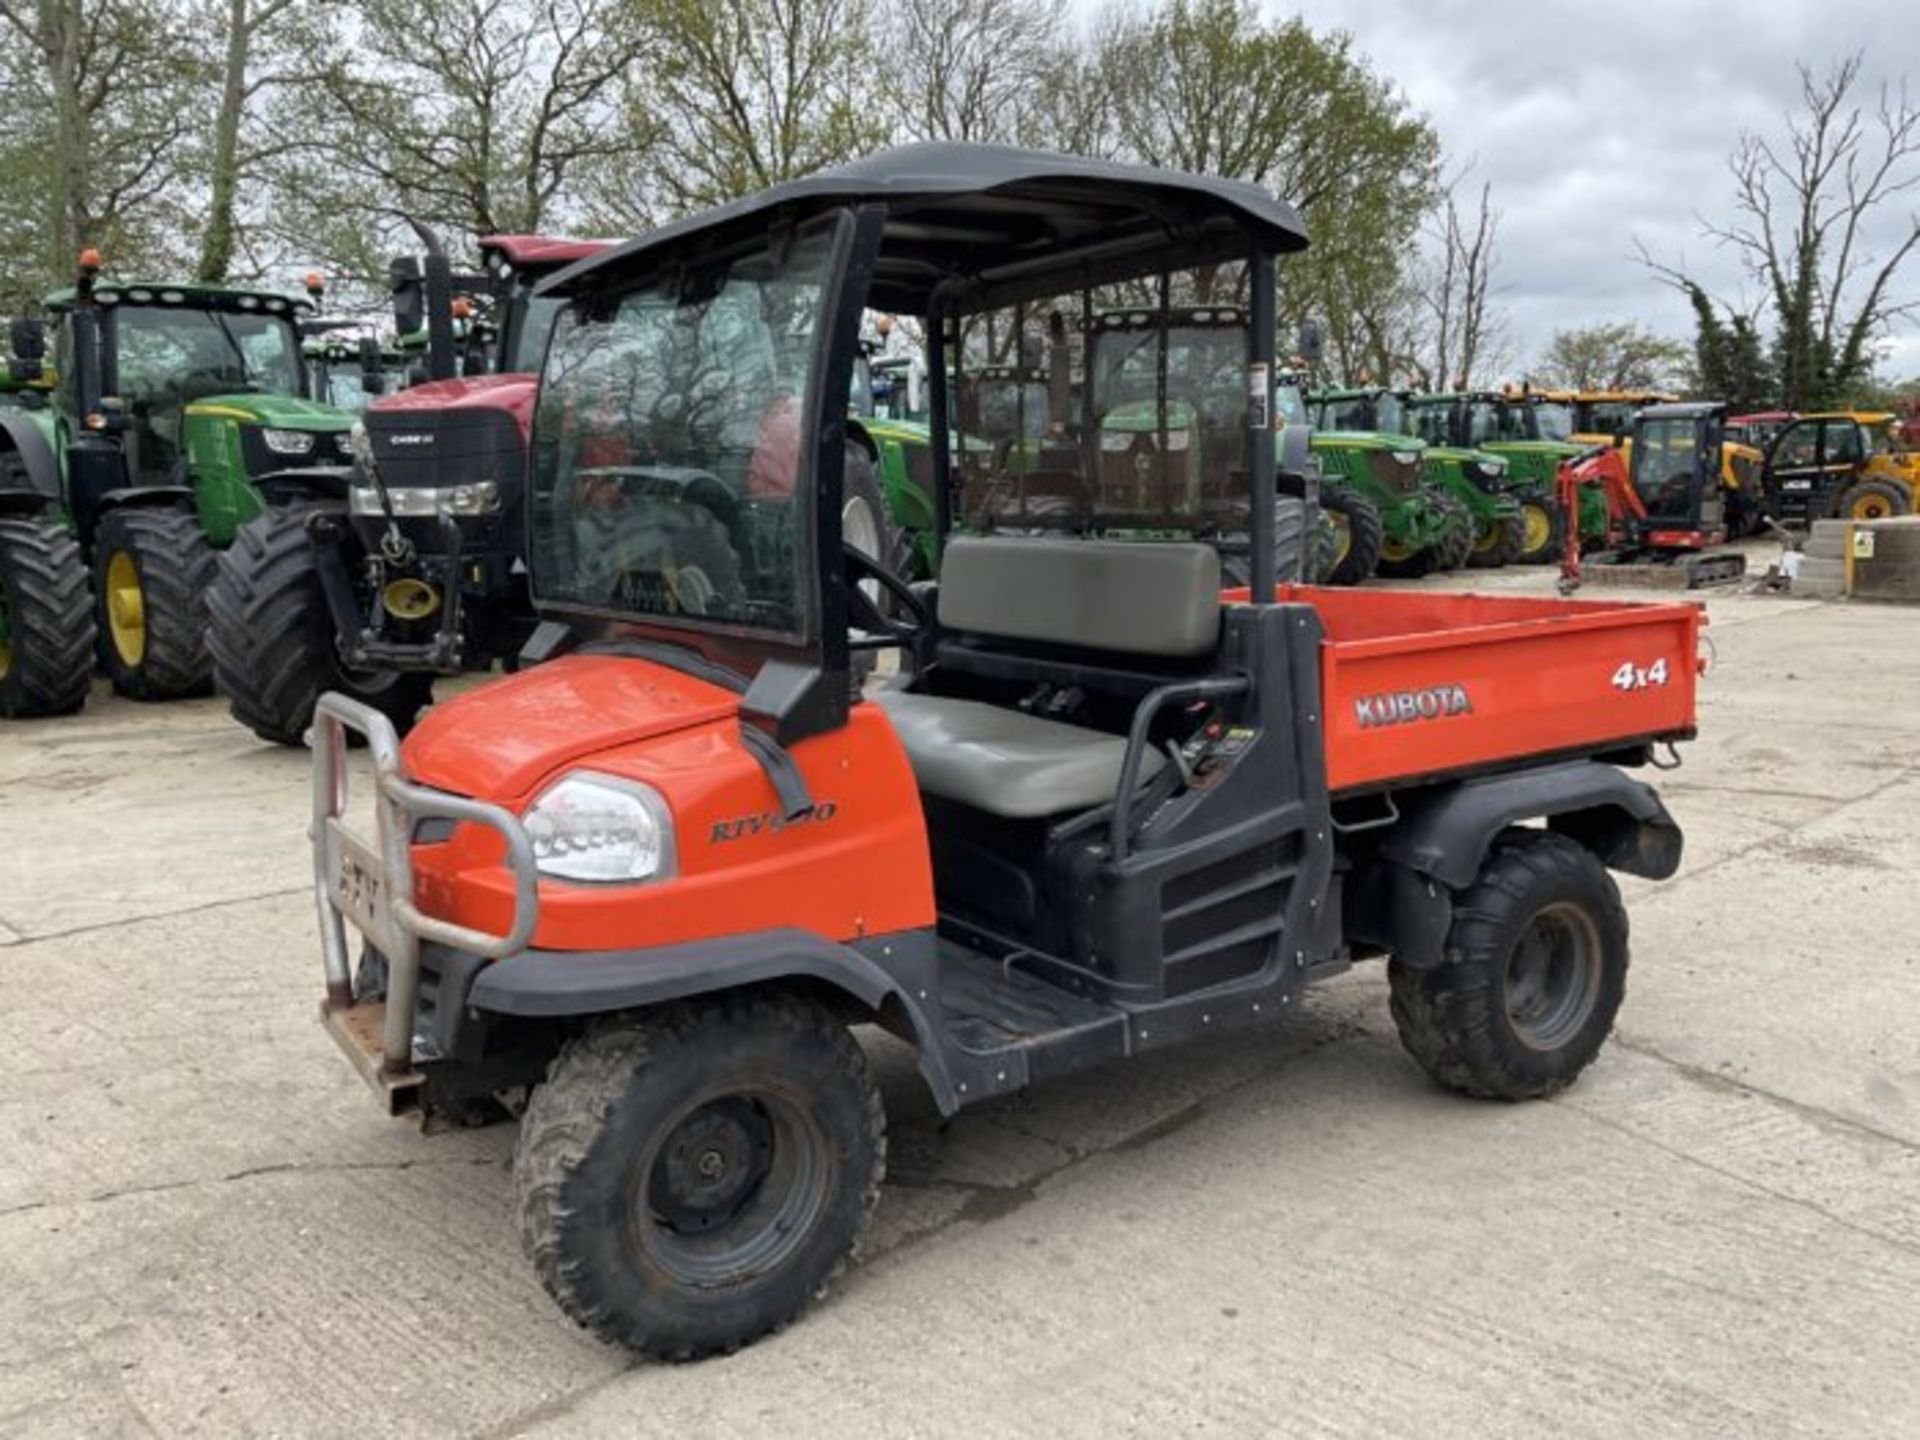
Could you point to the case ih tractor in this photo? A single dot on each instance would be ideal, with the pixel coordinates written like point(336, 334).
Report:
point(175, 408)
point(374, 577)
point(653, 881)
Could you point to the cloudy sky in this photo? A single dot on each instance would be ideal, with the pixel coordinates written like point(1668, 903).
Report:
point(1605, 120)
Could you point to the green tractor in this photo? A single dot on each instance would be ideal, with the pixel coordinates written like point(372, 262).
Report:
point(1475, 479)
point(1423, 531)
point(350, 374)
point(893, 427)
point(1531, 433)
point(175, 408)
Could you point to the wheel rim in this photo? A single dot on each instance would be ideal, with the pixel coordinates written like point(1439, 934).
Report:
point(1342, 537)
point(860, 529)
point(126, 609)
point(1538, 529)
point(1488, 538)
point(733, 1190)
point(1552, 978)
point(1396, 550)
point(1871, 507)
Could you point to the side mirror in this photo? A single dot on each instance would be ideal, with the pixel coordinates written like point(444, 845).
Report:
point(409, 294)
point(373, 375)
point(1311, 343)
point(28, 339)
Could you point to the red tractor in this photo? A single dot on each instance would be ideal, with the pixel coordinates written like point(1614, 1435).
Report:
point(643, 891)
point(373, 579)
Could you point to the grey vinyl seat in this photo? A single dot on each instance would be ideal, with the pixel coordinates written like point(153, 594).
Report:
point(1157, 599)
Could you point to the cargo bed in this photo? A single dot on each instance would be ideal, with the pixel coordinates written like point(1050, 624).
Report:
point(1422, 683)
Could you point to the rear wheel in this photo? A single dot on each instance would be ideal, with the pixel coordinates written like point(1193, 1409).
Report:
point(272, 636)
point(1540, 528)
point(1535, 970)
point(1289, 535)
point(46, 619)
point(1498, 542)
point(692, 1178)
point(151, 573)
point(1357, 519)
point(1872, 499)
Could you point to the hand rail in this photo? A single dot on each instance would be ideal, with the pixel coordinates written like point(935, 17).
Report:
point(1214, 688)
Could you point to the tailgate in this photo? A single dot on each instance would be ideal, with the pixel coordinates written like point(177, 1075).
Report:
point(1498, 684)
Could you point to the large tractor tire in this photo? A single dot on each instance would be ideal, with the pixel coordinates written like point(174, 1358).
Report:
point(1541, 528)
point(1499, 542)
point(691, 1178)
point(1872, 498)
point(1289, 527)
point(46, 619)
point(1357, 525)
point(1455, 546)
point(1535, 970)
point(272, 636)
point(865, 521)
point(152, 569)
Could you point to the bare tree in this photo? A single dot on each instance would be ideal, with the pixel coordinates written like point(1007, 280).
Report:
point(969, 69)
point(1466, 336)
point(1812, 227)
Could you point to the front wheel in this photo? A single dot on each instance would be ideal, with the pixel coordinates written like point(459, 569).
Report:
point(1872, 499)
point(1541, 527)
point(1358, 525)
point(151, 572)
point(1499, 542)
point(272, 636)
point(1535, 970)
point(691, 1179)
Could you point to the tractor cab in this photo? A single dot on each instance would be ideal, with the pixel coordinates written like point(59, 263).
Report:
point(1605, 417)
point(1675, 473)
point(1841, 464)
point(350, 372)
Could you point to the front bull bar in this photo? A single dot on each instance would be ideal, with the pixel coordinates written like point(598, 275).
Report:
point(371, 885)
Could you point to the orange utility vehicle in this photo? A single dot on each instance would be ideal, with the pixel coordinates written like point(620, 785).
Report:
point(651, 881)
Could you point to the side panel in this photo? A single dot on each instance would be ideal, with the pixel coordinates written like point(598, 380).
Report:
point(1427, 705)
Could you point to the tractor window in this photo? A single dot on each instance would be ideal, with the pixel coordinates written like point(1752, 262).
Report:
point(1289, 404)
point(1433, 423)
point(1390, 416)
point(1551, 420)
point(531, 336)
point(668, 446)
point(1797, 447)
point(1355, 413)
point(1488, 420)
point(1665, 454)
point(1842, 445)
point(169, 355)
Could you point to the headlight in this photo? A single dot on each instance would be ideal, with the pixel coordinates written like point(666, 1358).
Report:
point(1407, 457)
point(598, 828)
point(288, 442)
point(482, 497)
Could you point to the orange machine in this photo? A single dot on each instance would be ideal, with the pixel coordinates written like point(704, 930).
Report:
point(641, 890)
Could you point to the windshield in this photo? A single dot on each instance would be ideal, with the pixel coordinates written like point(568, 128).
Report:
point(1610, 417)
point(667, 447)
point(1552, 420)
point(1484, 419)
point(1354, 413)
point(1289, 404)
point(530, 340)
point(168, 355)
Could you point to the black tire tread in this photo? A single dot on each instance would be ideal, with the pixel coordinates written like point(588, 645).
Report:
point(271, 635)
point(1548, 553)
point(1899, 499)
point(1366, 530)
point(1446, 1015)
point(1506, 547)
point(176, 565)
point(51, 612)
point(565, 1115)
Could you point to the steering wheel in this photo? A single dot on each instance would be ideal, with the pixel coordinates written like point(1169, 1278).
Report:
point(883, 630)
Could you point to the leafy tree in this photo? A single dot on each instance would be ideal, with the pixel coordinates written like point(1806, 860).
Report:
point(1730, 362)
point(1619, 356)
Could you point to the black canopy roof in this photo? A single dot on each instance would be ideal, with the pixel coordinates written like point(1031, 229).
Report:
point(1682, 409)
point(992, 223)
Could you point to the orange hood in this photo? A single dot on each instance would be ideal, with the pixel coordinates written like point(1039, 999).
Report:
point(500, 741)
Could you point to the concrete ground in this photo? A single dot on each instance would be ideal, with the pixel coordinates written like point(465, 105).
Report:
point(205, 1226)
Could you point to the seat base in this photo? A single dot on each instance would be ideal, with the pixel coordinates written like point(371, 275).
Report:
point(1007, 762)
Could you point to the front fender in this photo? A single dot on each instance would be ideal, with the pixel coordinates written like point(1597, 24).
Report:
point(1444, 834)
point(555, 984)
point(29, 439)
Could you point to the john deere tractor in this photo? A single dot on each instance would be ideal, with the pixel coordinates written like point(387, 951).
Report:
point(1422, 530)
point(1533, 434)
point(1473, 479)
point(176, 408)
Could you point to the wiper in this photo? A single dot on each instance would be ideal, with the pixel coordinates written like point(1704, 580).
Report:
point(233, 344)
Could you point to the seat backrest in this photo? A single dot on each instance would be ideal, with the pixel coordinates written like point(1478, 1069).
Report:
point(1131, 597)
